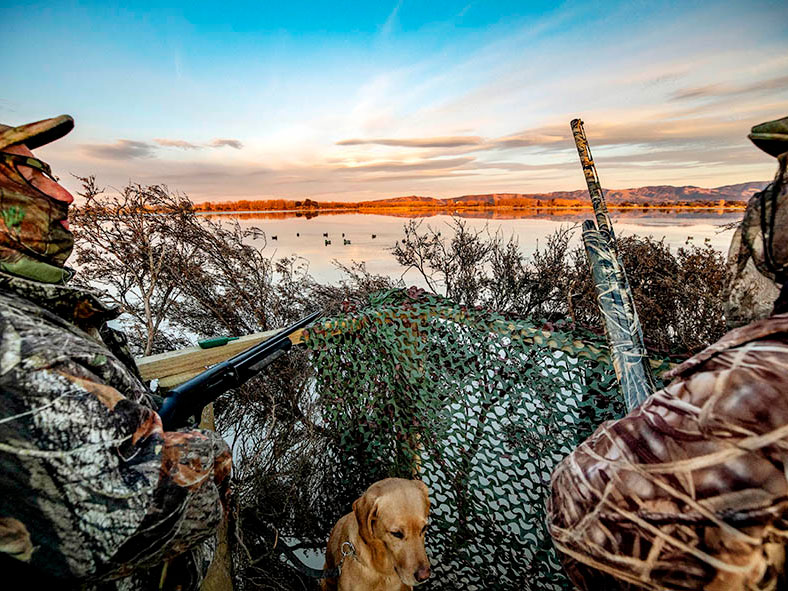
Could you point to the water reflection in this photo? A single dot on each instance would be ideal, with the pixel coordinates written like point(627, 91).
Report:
point(564, 214)
point(344, 237)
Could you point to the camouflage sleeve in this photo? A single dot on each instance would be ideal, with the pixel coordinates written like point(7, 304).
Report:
point(92, 487)
point(689, 490)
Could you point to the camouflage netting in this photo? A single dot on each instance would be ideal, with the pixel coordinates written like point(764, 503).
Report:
point(480, 407)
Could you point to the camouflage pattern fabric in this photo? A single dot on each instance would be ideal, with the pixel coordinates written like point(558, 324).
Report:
point(33, 242)
point(758, 255)
point(94, 493)
point(771, 136)
point(749, 295)
point(614, 297)
point(36, 134)
point(765, 227)
point(481, 406)
point(689, 491)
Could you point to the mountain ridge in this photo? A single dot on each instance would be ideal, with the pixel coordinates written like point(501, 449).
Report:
point(735, 195)
point(636, 195)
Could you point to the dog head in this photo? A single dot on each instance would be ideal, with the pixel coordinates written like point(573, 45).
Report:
point(392, 520)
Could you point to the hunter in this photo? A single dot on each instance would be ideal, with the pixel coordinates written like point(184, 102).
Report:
point(690, 489)
point(93, 493)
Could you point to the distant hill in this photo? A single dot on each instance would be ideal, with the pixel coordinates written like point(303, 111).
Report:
point(408, 199)
point(654, 194)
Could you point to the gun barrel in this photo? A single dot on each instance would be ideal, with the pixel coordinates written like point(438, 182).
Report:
point(190, 397)
point(592, 179)
point(614, 297)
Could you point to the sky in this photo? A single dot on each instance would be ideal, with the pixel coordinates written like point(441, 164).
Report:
point(353, 101)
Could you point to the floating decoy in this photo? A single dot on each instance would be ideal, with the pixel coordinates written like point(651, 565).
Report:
point(325, 234)
point(298, 234)
point(347, 242)
point(273, 238)
point(343, 234)
point(327, 242)
point(374, 236)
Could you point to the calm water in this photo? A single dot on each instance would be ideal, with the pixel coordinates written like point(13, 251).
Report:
point(304, 237)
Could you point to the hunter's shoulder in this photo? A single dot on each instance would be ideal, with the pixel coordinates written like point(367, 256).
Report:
point(71, 303)
point(765, 338)
point(48, 332)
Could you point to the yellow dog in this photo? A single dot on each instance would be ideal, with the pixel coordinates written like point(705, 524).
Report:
point(381, 543)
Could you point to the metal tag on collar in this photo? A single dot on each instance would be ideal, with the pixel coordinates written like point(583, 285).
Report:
point(348, 549)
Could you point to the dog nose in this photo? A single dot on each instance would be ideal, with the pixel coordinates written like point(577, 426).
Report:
point(422, 574)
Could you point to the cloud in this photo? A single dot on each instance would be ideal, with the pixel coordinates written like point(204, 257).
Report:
point(656, 132)
point(543, 136)
point(514, 166)
point(394, 166)
point(120, 150)
point(183, 144)
point(391, 21)
point(220, 142)
point(427, 142)
point(699, 91)
point(416, 177)
point(722, 90)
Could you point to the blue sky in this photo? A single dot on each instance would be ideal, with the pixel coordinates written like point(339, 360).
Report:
point(361, 100)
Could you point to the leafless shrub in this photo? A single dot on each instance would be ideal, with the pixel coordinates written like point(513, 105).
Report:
point(353, 290)
point(678, 296)
point(479, 268)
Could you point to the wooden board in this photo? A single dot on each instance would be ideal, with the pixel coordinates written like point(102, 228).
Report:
point(175, 367)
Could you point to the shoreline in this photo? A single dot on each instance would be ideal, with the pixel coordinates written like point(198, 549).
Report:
point(409, 209)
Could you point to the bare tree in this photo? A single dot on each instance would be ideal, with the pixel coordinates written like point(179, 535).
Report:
point(127, 244)
point(453, 266)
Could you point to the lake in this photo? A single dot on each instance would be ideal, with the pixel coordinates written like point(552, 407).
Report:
point(304, 237)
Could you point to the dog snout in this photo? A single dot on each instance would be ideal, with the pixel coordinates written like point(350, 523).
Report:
point(422, 574)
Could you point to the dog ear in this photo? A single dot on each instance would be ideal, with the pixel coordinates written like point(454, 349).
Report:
point(425, 491)
point(366, 510)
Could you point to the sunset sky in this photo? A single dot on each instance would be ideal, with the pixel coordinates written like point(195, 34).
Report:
point(361, 100)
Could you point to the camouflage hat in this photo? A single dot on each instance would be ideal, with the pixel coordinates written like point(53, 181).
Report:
point(771, 137)
point(36, 134)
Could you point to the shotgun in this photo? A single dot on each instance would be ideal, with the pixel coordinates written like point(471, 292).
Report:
point(188, 399)
point(614, 296)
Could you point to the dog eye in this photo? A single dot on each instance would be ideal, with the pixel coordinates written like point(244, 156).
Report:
point(397, 534)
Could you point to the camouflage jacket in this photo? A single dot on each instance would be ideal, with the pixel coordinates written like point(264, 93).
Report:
point(689, 490)
point(92, 489)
